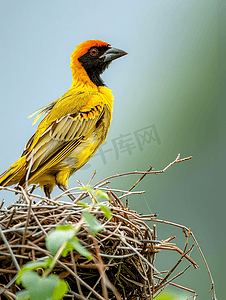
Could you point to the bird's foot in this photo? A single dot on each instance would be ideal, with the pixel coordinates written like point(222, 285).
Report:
point(64, 189)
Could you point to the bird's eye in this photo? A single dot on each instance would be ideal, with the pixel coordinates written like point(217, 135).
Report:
point(93, 51)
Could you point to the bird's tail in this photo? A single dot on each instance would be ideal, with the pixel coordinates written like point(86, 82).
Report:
point(14, 173)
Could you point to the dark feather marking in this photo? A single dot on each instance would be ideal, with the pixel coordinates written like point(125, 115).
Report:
point(28, 145)
point(94, 66)
point(7, 179)
point(53, 127)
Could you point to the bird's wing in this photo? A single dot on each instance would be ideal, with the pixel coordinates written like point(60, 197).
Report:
point(62, 130)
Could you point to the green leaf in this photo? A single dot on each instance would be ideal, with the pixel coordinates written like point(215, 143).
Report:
point(88, 188)
point(59, 236)
point(61, 289)
point(33, 266)
point(166, 295)
point(64, 227)
point(99, 194)
point(43, 288)
point(67, 249)
point(79, 248)
point(23, 295)
point(105, 209)
point(82, 204)
point(29, 279)
point(46, 288)
point(91, 221)
point(73, 244)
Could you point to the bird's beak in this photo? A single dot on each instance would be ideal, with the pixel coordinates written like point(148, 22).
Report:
point(112, 53)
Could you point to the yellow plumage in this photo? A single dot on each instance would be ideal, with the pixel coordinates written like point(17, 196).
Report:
point(74, 127)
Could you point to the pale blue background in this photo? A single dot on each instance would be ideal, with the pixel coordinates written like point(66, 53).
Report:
point(172, 78)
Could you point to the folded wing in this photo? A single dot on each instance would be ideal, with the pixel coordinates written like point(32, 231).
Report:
point(63, 134)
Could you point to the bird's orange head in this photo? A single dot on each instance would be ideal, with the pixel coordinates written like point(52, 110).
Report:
point(89, 60)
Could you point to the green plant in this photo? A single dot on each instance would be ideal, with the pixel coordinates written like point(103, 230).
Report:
point(36, 276)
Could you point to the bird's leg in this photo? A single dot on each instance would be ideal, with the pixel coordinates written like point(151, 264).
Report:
point(46, 191)
point(64, 189)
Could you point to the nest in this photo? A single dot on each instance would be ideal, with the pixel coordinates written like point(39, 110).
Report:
point(123, 252)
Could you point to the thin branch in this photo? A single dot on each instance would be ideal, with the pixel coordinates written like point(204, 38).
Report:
point(179, 274)
point(10, 250)
point(94, 173)
point(27, 221)
point(177, 160)
point(138, 253)
point(75, 270)
point(139, 180)
point(200, 251)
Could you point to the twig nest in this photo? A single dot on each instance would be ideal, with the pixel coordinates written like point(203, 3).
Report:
point(123, 250)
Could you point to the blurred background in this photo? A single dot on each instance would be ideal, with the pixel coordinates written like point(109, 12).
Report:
point(167, 92)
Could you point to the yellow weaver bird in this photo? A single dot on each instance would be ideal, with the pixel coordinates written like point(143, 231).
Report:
point(74, 126)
